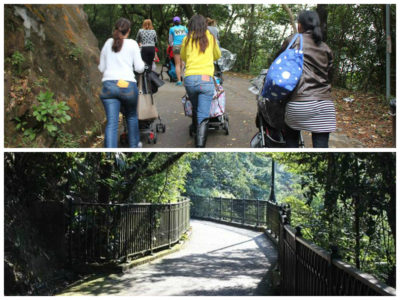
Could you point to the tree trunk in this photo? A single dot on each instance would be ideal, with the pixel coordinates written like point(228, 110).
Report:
point(330, 195)
point(250, 37)
point(188, 10)
point(357, 213)
point(291, 17)
point(323, 17)
point(104, 189)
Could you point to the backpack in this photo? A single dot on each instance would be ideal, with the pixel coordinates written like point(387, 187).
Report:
point(284, 73)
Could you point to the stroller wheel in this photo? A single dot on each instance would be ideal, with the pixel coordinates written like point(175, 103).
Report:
point(163, 128)
point(159, 127)
point(191, 130)
point(226, 127)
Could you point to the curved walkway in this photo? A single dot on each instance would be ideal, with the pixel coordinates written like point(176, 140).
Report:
point(218, 260)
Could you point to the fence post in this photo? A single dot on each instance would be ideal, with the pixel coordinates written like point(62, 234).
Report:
point(209, 207)
point(333, 255)
point(244, 211)
point(220, 208)
point(281, 248)
point(70, 232)
point(296, 275)
point(257, 223)
point(151, 227)
point(127, 235)
point(169, 226)
point(231, 210)
point(120, 233)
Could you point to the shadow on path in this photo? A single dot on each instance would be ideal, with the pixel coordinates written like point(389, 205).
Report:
point(234, 262)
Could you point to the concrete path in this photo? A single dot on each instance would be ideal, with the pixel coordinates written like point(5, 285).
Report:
point(241, 106)
point(218, 260)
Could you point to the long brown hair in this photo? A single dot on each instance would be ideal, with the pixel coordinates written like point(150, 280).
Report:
point(147, 24)
point(121, 28)
point(211, 22)
point(197, 28)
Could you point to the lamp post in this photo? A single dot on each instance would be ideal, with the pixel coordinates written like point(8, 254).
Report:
point(272, 193)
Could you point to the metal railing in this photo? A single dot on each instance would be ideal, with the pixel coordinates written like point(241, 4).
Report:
point(258, 213)
point(116, 232)
point(305, 268)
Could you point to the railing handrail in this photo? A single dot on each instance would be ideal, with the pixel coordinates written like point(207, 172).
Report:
point(365, 278)
point(233, 199)
point(128, 204)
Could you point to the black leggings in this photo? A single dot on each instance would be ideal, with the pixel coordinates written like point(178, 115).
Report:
point(148, 54)
point(292, 137)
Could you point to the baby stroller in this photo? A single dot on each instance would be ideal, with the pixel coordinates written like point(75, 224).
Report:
point(169, 65)
point(148, 84)
point(270, 118)
point(219, 119)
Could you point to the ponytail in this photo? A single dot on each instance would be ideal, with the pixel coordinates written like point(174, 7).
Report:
point(121, 28)
point(309, 20)
point(317, 35)
point(118, 41)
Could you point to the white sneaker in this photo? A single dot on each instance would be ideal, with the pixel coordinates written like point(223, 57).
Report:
point(140, 145)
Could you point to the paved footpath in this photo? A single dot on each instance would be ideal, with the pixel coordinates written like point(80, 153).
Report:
point(242, 108)
point(218, 260)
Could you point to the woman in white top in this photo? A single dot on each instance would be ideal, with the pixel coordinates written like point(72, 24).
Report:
point(119, 58)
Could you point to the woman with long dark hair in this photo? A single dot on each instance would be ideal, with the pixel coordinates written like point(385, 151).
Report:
point(310, 106)
point(199, 51)
point(119, 58)
point(147, 39)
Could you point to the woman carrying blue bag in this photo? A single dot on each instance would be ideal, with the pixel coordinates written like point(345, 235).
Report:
point(310, 106)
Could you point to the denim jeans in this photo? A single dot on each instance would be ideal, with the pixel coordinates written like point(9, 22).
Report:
point(113, 97)
point(292, 137)
point(200, 89)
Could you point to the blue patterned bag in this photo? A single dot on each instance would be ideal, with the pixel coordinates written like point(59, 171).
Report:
point(284, 73)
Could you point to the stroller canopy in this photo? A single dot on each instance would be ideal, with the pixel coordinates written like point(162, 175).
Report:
point(227, 60)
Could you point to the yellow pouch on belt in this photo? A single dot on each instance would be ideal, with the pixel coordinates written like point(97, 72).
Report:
point(123, 83)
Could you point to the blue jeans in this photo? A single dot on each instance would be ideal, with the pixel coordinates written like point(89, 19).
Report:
point(113, 97)
point(200, 89)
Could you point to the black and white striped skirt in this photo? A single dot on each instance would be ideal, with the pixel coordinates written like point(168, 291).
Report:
point(314, 116)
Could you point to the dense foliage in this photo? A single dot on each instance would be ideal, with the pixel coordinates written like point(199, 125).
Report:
point(356, 34)
point(96, 177)
point(349, 201)
point(237, 175)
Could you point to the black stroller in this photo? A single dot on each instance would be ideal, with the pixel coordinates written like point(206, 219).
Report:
point(169, 66)
point(148, 129)
point(270, 118)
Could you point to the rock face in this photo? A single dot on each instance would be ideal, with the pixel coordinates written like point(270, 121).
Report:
point(60, 54)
